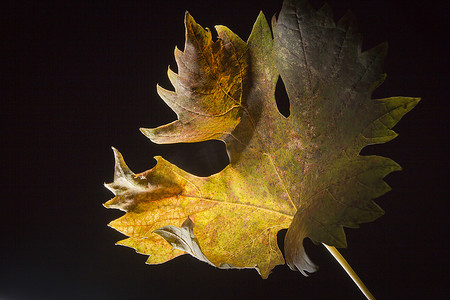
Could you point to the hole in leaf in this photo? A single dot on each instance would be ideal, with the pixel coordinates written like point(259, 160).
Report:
point(282, 98)
point(280, 240)
point(201, 159)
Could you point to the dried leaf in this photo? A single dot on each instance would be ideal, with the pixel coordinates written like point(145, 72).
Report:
point(303, 172)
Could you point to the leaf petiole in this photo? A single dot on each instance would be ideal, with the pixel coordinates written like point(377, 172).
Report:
point(344, 264)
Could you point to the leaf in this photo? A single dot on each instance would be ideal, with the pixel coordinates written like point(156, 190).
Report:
point(208, 86)
point(303, 172)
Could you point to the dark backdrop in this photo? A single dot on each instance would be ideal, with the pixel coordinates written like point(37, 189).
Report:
point(79, 77)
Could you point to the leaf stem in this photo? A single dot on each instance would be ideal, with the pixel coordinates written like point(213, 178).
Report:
point(344, 264)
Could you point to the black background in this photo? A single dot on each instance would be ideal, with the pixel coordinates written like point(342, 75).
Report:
point(80, 76)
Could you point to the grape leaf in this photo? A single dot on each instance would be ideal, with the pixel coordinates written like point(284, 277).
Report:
point(301, 172)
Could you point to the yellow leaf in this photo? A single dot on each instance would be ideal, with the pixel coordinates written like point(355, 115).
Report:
point(303, 172)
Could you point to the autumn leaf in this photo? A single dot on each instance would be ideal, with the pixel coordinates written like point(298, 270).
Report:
point(301, 172)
